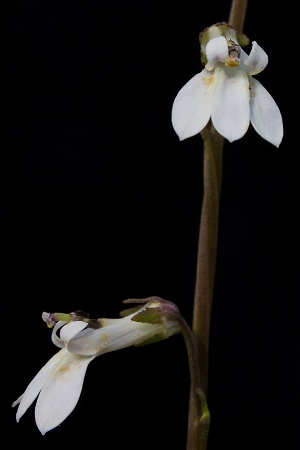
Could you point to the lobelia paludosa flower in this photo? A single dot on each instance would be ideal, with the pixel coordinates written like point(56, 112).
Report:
point(59, 383)
point(226, 92)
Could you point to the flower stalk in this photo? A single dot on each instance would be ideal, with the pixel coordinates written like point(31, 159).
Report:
point(198, 419)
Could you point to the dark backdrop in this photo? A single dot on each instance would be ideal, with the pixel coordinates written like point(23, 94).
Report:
point(100, 202)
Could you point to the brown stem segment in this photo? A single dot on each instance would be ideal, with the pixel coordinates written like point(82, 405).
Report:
point(207, 247)
point(237, 14)
point(205, 276)
point(198, 434)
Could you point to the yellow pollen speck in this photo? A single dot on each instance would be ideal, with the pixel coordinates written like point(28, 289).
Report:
point(231, 62)
point(208, 80)
point(62, 372)
point(63, 369)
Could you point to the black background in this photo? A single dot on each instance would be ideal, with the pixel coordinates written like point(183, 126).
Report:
point(100, 202)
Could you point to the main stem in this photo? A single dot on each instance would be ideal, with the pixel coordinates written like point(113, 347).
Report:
point(207, 247)
point(237, 14)
point(206, 261)
point(198, 434)
point(205, 277)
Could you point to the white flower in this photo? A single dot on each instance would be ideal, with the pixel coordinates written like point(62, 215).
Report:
point(226, 92)
point(59, 383)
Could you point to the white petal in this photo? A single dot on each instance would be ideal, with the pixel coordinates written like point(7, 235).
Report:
point(105, 322)
point(61, 391)
point(113, 337)
point(103, 340)
point(16, 402)
point(257, 60)
point(56, 339)
point(216, 51)
point(71, 329)
point(89, 343)
point(192, 105)
point(231, 107)
point(36, 384)
point(266, 118)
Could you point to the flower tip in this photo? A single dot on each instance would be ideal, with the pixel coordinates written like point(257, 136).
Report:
point(277, 143)
point(16, 402)
point(43, 432)
point(182, 136)
point(48, 318)
point(274, 140)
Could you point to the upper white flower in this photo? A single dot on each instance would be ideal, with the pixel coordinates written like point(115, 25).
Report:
point(59, 383)
point(226, 92)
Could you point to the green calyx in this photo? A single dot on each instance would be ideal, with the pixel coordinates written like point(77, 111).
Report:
point(149, 315)
point(220, 29)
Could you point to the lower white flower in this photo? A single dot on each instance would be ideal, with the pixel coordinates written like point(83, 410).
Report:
point(59, 383)
point(226, 92)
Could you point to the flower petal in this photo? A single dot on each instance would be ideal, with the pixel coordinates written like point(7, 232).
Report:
point(54, 337)
point(216, 51)
point(61, 391)
point(231, 110)
point(257, 60)
point(113, 337)
point(71, 329)
point(192, 105)
point(266, 118)
point(36, 384)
